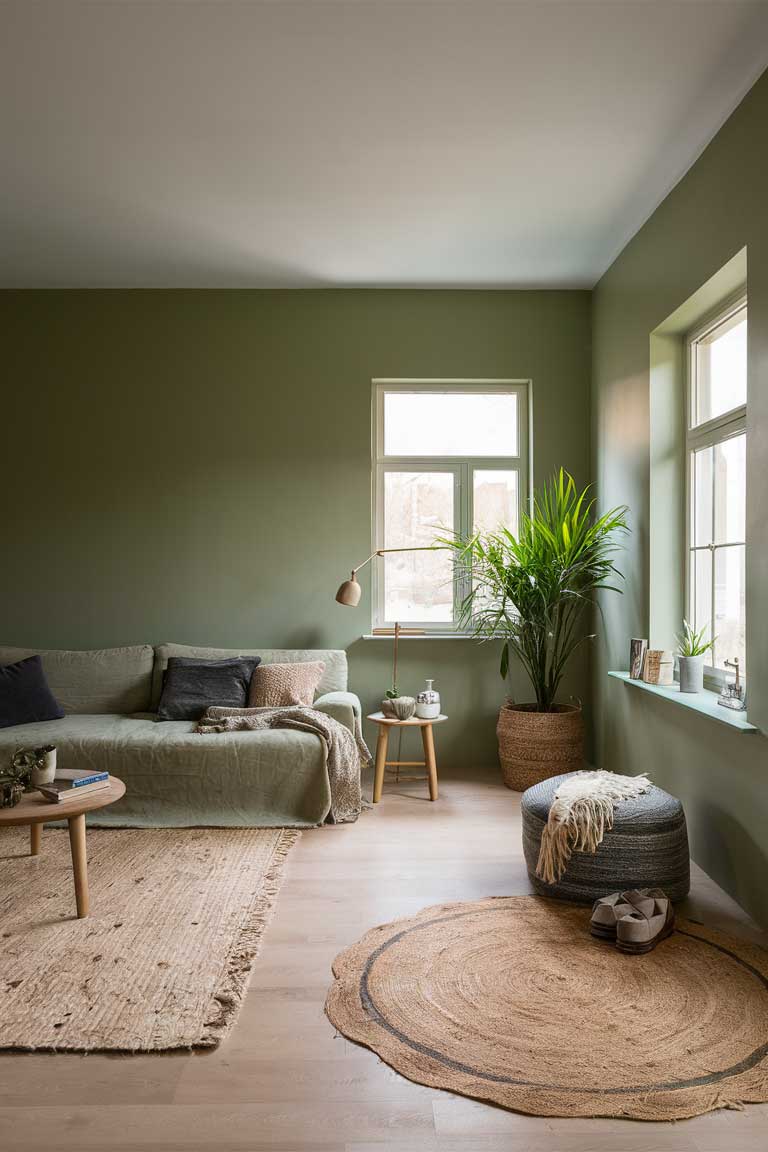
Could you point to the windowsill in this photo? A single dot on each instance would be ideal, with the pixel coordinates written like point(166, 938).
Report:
point(705, 703)
point(429, 636)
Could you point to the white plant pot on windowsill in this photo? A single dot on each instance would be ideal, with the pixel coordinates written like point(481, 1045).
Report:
point(691, 673)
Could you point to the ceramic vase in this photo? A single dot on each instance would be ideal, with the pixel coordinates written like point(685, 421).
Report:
point(428, 703)
point(45, 769)
point(691, 673)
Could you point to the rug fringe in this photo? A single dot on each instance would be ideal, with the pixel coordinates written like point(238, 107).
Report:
point(228, 996)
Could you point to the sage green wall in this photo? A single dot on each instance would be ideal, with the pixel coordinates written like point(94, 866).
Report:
point(195, 466)
point(722, 776)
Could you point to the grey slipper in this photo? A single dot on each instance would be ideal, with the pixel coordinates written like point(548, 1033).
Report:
point(605, 913)
point(608, 910)
point(651, 919)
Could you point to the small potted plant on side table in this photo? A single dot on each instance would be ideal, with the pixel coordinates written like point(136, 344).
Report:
point(691, 649)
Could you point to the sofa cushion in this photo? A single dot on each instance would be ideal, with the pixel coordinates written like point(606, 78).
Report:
point(283, 685)
point(25, 697)
point(191, 686)
point(334, 678)
point(100, 680)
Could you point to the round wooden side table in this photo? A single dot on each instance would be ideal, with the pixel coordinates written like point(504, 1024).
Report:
point(33, 810)
point(385, 724)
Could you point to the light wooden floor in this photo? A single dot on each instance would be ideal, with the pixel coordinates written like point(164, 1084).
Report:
point(283, 1080)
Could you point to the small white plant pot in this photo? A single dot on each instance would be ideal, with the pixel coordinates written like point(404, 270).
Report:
point(46, 772)
point(691, 673)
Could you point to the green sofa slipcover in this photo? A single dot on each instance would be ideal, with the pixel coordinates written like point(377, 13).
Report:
point(175, 777)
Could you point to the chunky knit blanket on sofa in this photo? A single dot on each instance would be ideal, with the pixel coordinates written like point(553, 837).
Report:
point(345, 753)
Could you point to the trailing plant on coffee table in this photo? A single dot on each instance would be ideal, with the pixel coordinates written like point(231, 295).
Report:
point(533, 590)
point(15, 778)
point(22, 763)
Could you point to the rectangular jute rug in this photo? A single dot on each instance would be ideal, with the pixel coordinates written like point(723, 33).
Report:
point(164, 958)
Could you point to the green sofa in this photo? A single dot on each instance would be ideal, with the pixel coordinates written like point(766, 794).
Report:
point(175, 777)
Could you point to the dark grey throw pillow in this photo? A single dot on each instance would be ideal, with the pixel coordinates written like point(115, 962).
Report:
point(190, 686)
point(25, 696)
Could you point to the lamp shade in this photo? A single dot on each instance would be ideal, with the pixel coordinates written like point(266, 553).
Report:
point(349, 592)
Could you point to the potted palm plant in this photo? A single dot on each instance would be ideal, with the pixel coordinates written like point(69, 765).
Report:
point(533, 591)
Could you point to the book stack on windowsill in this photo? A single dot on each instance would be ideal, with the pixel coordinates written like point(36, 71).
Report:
point(72, 784)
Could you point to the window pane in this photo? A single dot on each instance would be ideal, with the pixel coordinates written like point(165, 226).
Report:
point(730, 490)
point(721, 369)
point(729, 606)
point(701, 503)
point(700, 609)
point(418, 586)
point(495, 500)
point(450, 424)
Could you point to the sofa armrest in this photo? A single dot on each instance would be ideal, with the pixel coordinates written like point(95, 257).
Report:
point(341, 706)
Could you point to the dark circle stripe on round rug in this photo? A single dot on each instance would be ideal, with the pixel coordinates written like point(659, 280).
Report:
point(511, 1000)
point(378, 1014)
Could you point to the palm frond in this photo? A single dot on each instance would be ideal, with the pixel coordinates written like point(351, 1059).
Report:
point(533, 589)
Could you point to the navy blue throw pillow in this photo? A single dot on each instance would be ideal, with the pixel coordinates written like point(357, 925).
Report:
point(24, 694)
point(190, 686)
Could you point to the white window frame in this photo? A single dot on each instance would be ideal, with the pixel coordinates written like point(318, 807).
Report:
point(462, 468)
point(706, 435)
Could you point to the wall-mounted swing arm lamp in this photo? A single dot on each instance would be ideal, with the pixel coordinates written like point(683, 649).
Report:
point(350, 591)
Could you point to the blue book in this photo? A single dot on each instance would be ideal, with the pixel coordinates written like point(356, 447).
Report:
point(78, 778)
point(72, 782)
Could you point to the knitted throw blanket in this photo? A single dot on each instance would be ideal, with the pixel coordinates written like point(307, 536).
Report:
point(344, 753)
point(580, 815)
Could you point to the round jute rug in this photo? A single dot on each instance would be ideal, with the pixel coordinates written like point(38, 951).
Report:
point(511, 1000)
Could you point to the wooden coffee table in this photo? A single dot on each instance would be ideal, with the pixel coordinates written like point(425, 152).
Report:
point(33, 810)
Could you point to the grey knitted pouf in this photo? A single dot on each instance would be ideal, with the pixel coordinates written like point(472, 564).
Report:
point(647, 847)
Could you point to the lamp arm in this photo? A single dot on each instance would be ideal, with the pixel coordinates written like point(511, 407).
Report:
point(384, 551)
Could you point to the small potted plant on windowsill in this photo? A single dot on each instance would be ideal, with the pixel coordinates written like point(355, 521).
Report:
point(691, 649)
point(533, 591)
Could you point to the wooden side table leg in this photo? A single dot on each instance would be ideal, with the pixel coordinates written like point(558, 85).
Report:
point(429, 755)
point(35, 836)
point(79, 863)
point(381, 760)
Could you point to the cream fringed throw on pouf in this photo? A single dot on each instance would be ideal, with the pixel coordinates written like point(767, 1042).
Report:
point(580, 815)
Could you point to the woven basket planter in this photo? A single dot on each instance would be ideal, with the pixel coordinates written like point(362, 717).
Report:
point(536, 745)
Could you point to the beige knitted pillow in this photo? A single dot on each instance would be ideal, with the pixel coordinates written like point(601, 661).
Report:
point(280, 685)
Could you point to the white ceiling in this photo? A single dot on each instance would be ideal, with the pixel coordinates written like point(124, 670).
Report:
point(209, 143)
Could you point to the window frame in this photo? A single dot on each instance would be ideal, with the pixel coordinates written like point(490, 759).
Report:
point(708, 434)
point(462, 468)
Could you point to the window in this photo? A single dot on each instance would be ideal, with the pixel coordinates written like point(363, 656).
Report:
point(716, 469)
point(449, 455)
